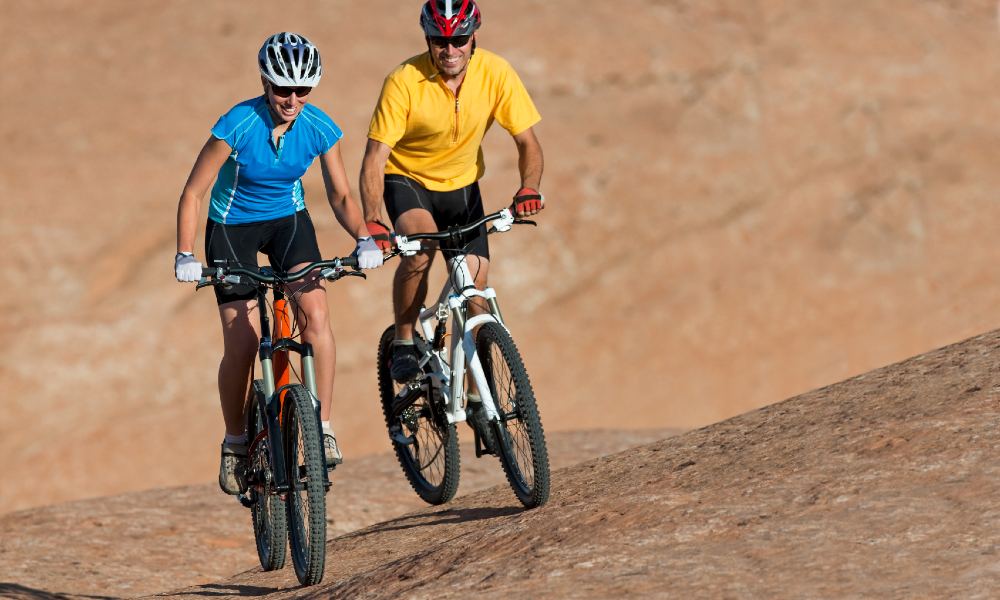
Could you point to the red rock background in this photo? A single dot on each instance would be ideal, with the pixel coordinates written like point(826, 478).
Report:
point(746, 200)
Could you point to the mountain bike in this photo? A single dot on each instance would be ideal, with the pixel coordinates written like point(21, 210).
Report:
point(286, 476)
point(421, 415)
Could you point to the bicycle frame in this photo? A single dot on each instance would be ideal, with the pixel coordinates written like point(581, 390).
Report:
point(273, 351)
point(275, 374)
point(452, 303)
point(421, 411)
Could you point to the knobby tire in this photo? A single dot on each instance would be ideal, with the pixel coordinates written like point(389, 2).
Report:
point(307, 496)
point(431, 461)
point(523, 453)
point(267, 508)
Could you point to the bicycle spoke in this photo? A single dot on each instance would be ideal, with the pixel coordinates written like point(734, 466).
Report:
point(522, 441)
point(426, 445)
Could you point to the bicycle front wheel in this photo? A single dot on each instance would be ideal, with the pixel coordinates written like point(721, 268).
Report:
point(267, 508)
point(425, 443)
point(523, 453)
point(307, 494)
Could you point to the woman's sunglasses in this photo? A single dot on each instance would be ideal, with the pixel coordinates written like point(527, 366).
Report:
point(284, 92)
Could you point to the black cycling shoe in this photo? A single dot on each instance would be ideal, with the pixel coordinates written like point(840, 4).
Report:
point(405, 363)
point(483, 429)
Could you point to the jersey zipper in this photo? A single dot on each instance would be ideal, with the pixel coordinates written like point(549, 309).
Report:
point(280, 145)
point(454, 138)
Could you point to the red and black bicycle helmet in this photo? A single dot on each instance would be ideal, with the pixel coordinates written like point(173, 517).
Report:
point(448, 18)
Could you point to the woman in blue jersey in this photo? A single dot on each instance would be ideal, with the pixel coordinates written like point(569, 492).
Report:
point(257, 154)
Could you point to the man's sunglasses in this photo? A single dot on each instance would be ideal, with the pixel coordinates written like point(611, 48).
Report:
point(458, 41)
point(284, 92)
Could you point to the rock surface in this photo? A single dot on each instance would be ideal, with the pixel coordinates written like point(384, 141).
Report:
point(156, 540)
point(746, 201)
point(882, 486)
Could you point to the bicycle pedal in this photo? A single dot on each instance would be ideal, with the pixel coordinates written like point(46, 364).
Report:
point(396, 435)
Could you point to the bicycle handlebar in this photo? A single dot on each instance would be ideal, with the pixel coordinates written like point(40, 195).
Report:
point(504, 221)
point(219, 274)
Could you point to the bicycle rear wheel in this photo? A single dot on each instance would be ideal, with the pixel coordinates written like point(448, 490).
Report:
point(267, 508)
point(307, 494)
point(425, 443)
point(519, 431)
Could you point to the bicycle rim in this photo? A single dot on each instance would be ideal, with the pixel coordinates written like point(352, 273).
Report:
point(429, 457)
point(523, 452)
point(307, 495)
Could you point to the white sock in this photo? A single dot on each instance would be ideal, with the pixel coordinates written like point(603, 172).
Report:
point(326, 427)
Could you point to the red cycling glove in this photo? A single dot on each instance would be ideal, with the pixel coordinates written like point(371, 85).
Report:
point(527, 202)
point(380, 234)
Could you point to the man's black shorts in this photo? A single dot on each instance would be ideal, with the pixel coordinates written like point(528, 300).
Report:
point(457, 207)
point(287, 242)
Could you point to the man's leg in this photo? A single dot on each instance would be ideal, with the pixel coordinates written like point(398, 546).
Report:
point(409, 290)
point(480, 267)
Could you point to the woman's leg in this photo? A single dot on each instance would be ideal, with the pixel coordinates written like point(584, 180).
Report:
point(313, 318)
point(241, 337)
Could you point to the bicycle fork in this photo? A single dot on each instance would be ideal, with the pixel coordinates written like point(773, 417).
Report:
point(274, 361)
point(465, 351)
point(271, 407)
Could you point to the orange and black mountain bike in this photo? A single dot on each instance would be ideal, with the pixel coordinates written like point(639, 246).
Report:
point(286, 476)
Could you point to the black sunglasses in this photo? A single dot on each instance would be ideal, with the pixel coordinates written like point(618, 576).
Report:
point(458, 41)
point(284, 92)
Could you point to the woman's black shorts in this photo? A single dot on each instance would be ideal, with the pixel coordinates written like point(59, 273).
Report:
point(457, 207)
point(287, 241)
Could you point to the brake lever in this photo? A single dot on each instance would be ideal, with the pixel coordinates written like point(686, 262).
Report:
point(525, 222)
point(335, 275)
point(227, 281)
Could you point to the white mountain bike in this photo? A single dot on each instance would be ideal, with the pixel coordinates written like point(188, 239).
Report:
point(422, 414)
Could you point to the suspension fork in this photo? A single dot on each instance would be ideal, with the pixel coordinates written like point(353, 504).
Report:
point(282, 371)
point(270, 402)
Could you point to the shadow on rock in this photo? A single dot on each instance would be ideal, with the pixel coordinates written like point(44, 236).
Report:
point(222, 590)
point(20, 592)
point(444, 517)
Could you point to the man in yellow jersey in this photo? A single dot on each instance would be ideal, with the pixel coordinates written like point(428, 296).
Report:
point(424, 159)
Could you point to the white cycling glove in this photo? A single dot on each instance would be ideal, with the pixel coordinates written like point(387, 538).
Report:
point(369, 254)
point(186, 267)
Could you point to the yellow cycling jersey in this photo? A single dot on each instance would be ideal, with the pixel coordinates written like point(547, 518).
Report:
point(435, 136)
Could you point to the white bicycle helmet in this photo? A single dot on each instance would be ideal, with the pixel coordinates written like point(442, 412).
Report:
point(290, 60)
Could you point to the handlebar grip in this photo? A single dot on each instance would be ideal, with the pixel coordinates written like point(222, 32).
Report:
point(349, 261)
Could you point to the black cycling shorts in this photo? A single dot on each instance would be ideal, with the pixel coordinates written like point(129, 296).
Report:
point(287, 242)
point(456, 207)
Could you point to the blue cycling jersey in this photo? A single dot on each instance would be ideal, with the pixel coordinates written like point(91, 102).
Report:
point(261, 179)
